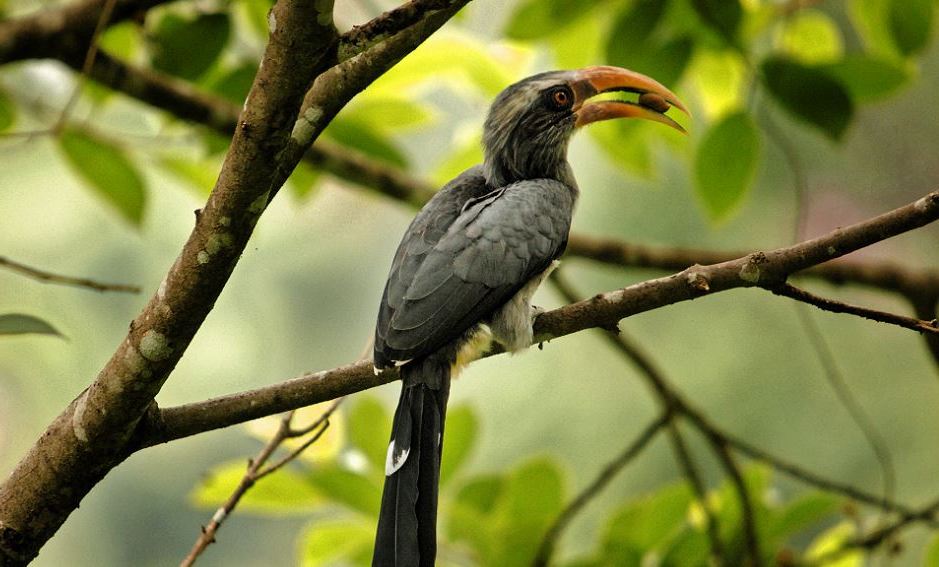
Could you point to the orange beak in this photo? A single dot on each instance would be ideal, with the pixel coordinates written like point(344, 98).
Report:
point(654, 99)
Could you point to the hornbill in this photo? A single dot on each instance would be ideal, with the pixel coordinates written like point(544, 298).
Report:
point(467, 267)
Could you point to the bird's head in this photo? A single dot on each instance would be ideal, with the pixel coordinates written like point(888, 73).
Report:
point(531, 122)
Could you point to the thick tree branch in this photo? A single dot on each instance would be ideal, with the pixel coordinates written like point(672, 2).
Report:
point(64, 32)
point(601, 311)
point(90, 436)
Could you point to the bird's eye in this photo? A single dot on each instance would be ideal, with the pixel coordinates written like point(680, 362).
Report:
point(561, 98)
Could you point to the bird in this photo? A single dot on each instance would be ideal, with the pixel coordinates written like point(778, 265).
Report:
point(465, 271)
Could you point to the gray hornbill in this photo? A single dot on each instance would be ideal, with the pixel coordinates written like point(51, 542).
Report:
point(467, 267)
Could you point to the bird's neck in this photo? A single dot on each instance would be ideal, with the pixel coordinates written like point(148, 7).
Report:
point(501, 170)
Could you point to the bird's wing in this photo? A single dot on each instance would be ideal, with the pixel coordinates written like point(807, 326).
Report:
point(454, 270)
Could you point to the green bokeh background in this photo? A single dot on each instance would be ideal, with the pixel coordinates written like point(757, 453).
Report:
point(305, 293)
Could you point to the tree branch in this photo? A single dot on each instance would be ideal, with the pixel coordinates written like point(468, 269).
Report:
point(65, 32)
point(90, 436)
point(601, 311)
point(48, 277)
point(609, 472)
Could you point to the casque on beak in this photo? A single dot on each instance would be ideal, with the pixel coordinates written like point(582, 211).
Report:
point(654, 98)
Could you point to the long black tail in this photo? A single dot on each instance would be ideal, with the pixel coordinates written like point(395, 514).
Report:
point(407, 523)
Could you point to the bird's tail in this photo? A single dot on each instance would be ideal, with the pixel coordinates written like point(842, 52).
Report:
point(407, 523)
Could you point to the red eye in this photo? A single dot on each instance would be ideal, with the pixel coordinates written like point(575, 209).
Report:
point(561, 98)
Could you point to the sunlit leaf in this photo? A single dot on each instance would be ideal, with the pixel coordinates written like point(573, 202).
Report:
point(868, 78)
point(285, 492)
point(337, 542)
point(870, 19)
point(633, 44)
point(357, 492)
point(932, 553)
point(811, 36)
point(626, 143)
point(801, 514)
point(690, 548)
point(726, 162)
point(581, 43)
point(324, 450)
point(20, 324)
point(387, 114)
point(7, 111)
point(107, 170)
point(832, 540)
point(911, 24)
point(234, 84)
point(647, 522)
point(256, 13)
point(365, 139)
point(197, 174)
point(719, 78)
point(810, 94)
point(303, 181)
point(722, 15)
point(533, 19)
point(369, 424)
point(187, 47)
point(455, 57)
point(122, 40)
point(459, 438)
point(465, 154)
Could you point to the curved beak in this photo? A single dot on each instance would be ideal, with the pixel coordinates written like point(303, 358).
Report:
point(654, 99)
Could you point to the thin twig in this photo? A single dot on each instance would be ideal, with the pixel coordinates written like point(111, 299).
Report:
point(257, 470)
point(607, 474)
point(747, 512)
point(49, 277)
point(693, 476)
point(825, 304)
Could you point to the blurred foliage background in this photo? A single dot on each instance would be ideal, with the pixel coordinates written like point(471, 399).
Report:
point(807, 115)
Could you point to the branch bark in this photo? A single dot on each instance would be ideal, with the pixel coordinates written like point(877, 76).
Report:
point(601, 311)
point(89, 438)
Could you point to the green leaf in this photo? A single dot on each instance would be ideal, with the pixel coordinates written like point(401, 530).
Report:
point(369, 424)
point(472, 512)
point(187, 47)
point(581, 43)
point(811, 36)
point(448, 57)
point(365, 139)
point(106, 169)
point(801, 514)
point(726, 162)
point(465, 154)
point(198, 174)
point(460, 436)
point(634, 44)
point(832, 540)
point(7, 111)
point(690, 548)
point(626, 143)
point(932, 553)
point(534, 19)
point(122, 40)
point(387, 114)
point(303, 181)
point(868, 78)
point(646, 523)
point(810, 94)
point(870, 21)
point(256, 13)
point(235, 84)
point(722, 15)
point(285, 492)
point(337, 542)
point(346, 487)
point(911, 24)
point(529, 502)
point(20, 324)
point(719, 78)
